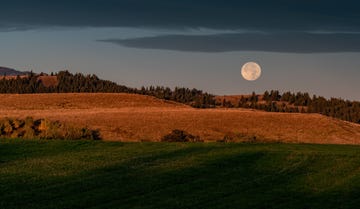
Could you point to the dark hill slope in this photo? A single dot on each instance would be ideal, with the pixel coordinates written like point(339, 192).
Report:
point(10, 72)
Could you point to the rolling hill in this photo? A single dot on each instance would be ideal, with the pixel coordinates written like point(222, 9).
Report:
point(10, 72)
point(133, 117)
point(273, 101)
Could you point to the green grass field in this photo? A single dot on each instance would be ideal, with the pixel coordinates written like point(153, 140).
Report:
point(95, 174)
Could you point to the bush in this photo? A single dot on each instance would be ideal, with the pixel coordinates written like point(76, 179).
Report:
point(50, 130)
point(90, 134)
point(7, 126)
point(29, 122)
point(71, 133)
point(180, 136)
point(240, 137)
point(227, 138)
point(29, 133)
point(18, 123)
point(44, 129)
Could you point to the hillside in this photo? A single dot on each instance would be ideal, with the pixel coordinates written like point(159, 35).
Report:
point(290, 102)
point(94, 174)
point(66, 82)
point(133, 117)
point(82, 101)
point(10, 72)
point(273, 101)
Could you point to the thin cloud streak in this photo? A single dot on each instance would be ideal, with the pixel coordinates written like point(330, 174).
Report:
point(275, 42)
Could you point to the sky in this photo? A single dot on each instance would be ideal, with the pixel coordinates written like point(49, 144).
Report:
point(302, 45)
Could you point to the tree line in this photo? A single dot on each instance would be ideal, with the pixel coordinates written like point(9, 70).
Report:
point(80, 83)
point(299, 102)
point(272, 101)
point(194, 97)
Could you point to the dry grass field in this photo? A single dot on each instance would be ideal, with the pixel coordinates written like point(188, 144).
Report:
point(128, 117)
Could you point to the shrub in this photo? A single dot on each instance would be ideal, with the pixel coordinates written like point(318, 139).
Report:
point(29, 133)
point(71, 133)
point(240, 137)
point(29, 122)
point(44, 129)
point(18, 123)
point(90, 134)
point(50, 130)
point(227, 138)
point(7, 126)
point(180, 136)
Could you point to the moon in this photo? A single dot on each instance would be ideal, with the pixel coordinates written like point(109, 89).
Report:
point(251, 71)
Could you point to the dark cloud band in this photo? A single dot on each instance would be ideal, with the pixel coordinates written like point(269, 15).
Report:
point(220, 14)
point(277, 42)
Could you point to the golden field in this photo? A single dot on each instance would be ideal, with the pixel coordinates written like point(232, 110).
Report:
point(129, 117)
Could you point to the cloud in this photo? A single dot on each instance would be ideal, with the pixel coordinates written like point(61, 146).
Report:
point(275, 42)
point(219, 14)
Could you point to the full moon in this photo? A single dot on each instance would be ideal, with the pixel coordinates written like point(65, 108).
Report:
point(251, 71)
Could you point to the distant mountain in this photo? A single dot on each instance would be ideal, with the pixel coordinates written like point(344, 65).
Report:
point(10, 72)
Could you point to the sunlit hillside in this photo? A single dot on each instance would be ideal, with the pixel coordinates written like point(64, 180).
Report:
point(132, 117)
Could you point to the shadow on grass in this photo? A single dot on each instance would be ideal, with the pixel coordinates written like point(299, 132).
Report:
point(17, 149)
point(194, 176)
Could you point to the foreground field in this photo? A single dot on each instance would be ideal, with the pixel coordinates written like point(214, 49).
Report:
point(128, 117)
point(89, 174)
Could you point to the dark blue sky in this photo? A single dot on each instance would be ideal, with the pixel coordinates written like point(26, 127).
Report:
point(162, 42)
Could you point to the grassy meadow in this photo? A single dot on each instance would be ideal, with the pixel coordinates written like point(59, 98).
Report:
point(95, 174)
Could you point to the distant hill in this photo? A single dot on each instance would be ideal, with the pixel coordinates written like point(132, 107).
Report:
point(289, 102)
point(4, 71)
point(66, 82)
point(273, 101)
